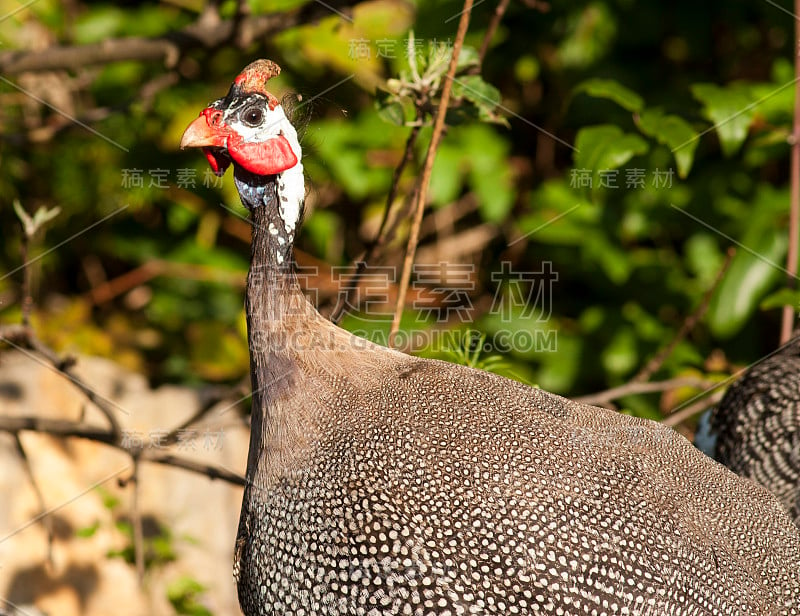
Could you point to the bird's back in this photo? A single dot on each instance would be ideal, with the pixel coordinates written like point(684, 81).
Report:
point(437, 489)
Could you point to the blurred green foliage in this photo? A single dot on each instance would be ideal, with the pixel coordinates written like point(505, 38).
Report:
point(184, 594)
point(640, 142)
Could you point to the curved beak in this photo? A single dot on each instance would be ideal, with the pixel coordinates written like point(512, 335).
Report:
point(204, 131)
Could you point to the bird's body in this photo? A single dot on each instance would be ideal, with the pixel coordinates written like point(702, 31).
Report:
point(757, 426)
point(380, 483)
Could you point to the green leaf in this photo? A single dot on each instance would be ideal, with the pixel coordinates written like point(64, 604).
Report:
point(703, 256)
point(446, 174)
point(467, 57)
point(560, 370)
point(392, 113)
point(556, 217)
point(614, 262)
point(589, 33)
point(675, 133)
point(184, 594)
point(477, 91)
point(612, 90)
point(605, 147)
point(729, 109)
point(97, 24)
point(109, 500)
point(621, 355)
point(782, 297)
point(489, 173)
point(750, 276)
point(32, 224)
point(258, 7)
point(87, 531)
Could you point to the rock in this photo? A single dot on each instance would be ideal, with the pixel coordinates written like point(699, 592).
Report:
point(85, 505)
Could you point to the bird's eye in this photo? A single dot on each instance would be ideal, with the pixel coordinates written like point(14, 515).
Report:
point(253, 116)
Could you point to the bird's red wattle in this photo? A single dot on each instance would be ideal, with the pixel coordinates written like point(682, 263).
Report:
point(262, 158)
point(218, 163)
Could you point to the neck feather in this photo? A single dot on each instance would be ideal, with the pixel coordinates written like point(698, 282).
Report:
point(278, 315)
point(275, 305)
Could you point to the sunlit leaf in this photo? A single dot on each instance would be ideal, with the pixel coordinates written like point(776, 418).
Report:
point(612, 90)
point(590, 30)
point(620, 356)
point(753, 271)
point(604, 148)
point(731, 111)
point(392, 113)
point(476, 90)
point(467, 57)
point(674, 132)
point(782, 297)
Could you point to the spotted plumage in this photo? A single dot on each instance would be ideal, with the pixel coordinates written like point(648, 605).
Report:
point(383, 484)
point(757, 426)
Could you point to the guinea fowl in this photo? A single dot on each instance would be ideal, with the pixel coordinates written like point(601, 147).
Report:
point(380, 483)
point(757, 426)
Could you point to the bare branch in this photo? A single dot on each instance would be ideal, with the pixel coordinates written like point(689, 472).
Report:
point(47, 523)
point(497, 16)
point(215, 397)
point(136, 523)
point(632, 388)
point(438, 128)
point(27, 295)
point(63, 428)
point(370, 251)
point(204, 33)
point(212, 472)
point(651, 367)
point(56, 427)
point(30, 227)
point(693, 409)
point(22, 338)
point(788, 317)
point(142, 274)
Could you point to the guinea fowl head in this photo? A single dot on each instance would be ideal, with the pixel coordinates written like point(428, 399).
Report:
point(249, 129)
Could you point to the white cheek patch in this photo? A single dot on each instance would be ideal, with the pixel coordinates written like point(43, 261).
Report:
point(291, 185)
point(275, 123)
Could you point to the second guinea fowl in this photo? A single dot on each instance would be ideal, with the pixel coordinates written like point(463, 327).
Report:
point(380, 483)
point(757, 426)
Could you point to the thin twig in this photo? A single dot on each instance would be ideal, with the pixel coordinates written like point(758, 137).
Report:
point(31, 225)
point(45, 519)
point(632, 388)
point(168, 48)
point(212, 400)
point(56, 427)
point(369, 252)
point(63, 428)
point(142, 274)
point(787, 322)
point(408, 155)
point(52, 126)
point(136, 523)
point(499, 11)
point(693, 409)
point(212, 472)
point(241, 36)
point(27, 340)
point(27, 296)
point(652, 366)
point(438, 128)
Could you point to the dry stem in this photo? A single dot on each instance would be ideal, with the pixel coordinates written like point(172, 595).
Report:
point(438, 128)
